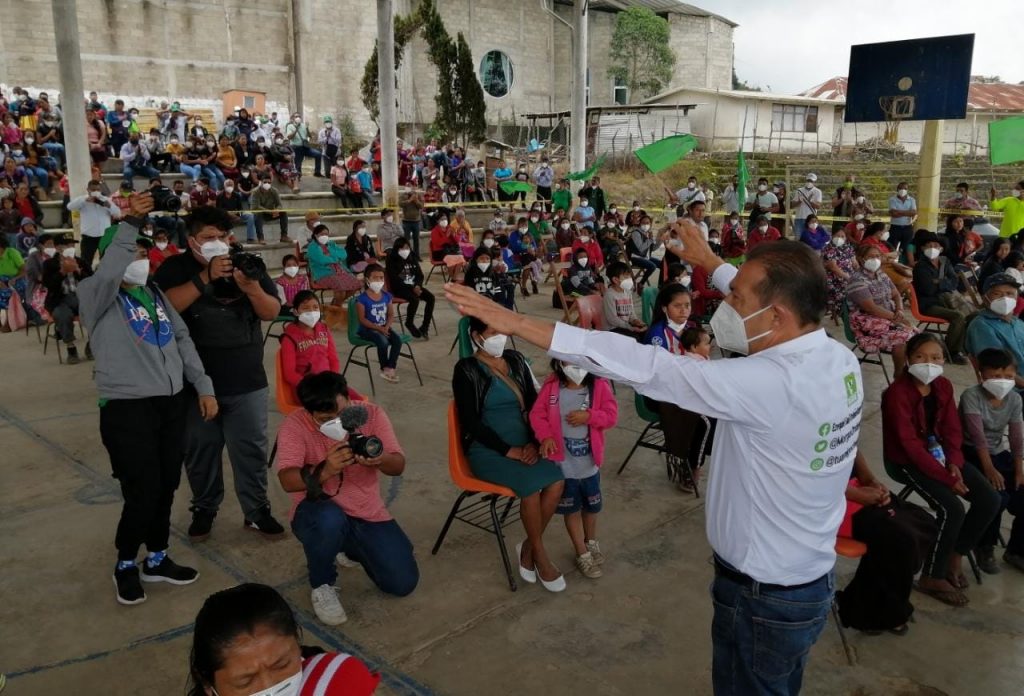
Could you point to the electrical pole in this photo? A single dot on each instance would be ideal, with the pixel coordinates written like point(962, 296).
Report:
point(297, 57)
point(69, 66)
point(388, 109)
point(578, 116)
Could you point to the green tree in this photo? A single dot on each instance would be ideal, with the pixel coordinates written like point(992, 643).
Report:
point(737, 83)
point(405, 30)
point(640, 55)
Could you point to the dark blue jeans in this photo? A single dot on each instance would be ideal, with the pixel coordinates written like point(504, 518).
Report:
point(382, 548)
point(388, 347)
point(1011, 499)
point(761, 635)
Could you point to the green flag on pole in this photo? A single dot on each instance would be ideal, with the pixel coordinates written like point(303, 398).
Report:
point(586, 173)
point(742, 179)
point(1006, 140)
point(515, 187)
point(662, 154)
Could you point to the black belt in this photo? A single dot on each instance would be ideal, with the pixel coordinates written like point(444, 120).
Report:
point(743, 579)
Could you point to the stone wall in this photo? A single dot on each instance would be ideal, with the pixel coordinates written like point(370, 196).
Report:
point(704, 52)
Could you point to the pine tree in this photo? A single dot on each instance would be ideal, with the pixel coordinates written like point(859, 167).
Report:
point(469, 118)
point(640, 55)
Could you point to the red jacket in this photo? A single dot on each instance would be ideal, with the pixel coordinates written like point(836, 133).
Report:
point(701, 283)
point(905, 432)
point(734, 240)
point(593, 250)
point(756, 237)
point(546, 418)
point(304, 354)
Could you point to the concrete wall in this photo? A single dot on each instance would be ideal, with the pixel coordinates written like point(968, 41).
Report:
point(704, 52)
point(967, 136)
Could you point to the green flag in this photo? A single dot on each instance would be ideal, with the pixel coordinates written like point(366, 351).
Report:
point(1006, 140)
point(742, 179)
point(664, 153)
point(586, 173)
point(515, 187)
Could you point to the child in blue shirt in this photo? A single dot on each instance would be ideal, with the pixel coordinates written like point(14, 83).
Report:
point(375, 314)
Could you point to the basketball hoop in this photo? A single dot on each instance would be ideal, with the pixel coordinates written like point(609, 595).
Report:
point(895, 109)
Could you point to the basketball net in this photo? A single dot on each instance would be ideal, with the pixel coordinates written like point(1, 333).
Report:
point(896, 109)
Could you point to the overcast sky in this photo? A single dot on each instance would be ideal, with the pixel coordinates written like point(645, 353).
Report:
point(796, 44)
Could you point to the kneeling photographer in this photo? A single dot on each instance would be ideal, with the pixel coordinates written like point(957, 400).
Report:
point(330, 455)
point(223, 295)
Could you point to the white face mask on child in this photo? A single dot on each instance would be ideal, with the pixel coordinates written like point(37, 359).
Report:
point(574, 374)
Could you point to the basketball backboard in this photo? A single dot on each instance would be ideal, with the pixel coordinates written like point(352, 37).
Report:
point(913, 80)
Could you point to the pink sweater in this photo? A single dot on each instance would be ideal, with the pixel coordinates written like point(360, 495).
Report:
point(546, 419)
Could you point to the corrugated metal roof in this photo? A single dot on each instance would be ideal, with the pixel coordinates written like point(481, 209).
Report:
point(659, 6)
point(981, 96)
point(739, 94)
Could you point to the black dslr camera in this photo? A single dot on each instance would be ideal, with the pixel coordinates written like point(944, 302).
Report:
point(368, 446)
point(251, 265)
point(165, 199)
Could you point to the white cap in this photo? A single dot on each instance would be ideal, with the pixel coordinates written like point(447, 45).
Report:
point(812, 177)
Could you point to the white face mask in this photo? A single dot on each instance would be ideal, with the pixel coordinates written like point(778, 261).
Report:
point(522, 230)
point(932, 253)
point(483, 266)
point(1003, 306)
point(901, 193)
point(376, 285)
point(858, 216)
point(291, 271)
point(812, 226)
point(860, 225)
point(443, 224)
point(360, 232)
point(310, 318)
point(690, 185)
point(212, 249)
point(872, 265)
point(574, 374)
point(728, 327)
point(495, 345)
point(998, 387)
point(265, 186)
point(50, 252)
point(336, 431)
point(583, 203)
point(583, 261)
point(925, 372)
point(289, 687)
point(585, 239)
point(645, 228)
point(137, 272)
point(534, 218)
point(762, 187)
point(675, 326)
point(839, 242)
point(322, 239)
point(389, 219)
point(763, 228)
point(564, 225)
point(809, 185)
point(161, 245)
point(404, 253)
point(685, 281)
point(626, 284)
point(884, 236)
point(68, 253)
point(488, 242)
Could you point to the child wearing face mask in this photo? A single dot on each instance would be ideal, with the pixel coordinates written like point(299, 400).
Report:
point(588, 242)
point(994, 444)
point(619, 309)
point(734, 240)
point(483, 276)
point(375, 314)
point(443, 241)
point(161, 251)
point(307, 346)
point(922, 436)
point(291, 282)
point(570, 416)
point(359, 248)
point(581, 278)
point(405, 279)
point(671, 316)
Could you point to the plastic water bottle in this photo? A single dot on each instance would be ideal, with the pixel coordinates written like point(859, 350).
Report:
point(935, 449)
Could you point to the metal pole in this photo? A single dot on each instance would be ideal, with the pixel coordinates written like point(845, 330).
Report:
point(297, 56)
point(387, 106)
point(69, 66)
point(578, 146)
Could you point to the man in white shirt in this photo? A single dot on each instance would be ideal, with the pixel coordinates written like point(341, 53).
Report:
point(96, 213)
point(807, 201)
point(902, 211)
point(731, 197)
point(765, 203)
point(684, 196)
point(778, 475)
point(329, 140)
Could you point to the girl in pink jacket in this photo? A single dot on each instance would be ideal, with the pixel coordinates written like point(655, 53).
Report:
point(572, 411)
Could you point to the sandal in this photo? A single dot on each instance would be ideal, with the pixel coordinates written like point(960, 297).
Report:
point(959, 581)
point(954, 598)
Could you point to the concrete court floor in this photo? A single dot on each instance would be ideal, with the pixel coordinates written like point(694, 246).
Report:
point(641, 629)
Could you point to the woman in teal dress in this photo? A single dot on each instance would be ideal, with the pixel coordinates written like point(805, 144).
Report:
point(494, 391)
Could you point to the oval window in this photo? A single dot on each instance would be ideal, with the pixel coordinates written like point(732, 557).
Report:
point(496, 73)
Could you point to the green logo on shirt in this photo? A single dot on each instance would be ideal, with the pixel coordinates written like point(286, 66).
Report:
point(816, 464)
point(851, 388)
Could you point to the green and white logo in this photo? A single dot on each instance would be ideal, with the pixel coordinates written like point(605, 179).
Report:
point(851, 388)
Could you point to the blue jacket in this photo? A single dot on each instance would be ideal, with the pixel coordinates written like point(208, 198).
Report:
point(989, 330)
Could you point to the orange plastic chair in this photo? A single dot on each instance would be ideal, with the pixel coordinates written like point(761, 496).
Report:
point(481, 513)
point(565, 254)
point(591, 312)
point(847, 548)
point(923, 319)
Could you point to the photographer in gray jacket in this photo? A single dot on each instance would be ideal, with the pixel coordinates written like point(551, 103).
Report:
point(143, 357)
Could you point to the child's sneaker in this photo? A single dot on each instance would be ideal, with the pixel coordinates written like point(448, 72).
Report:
point(588, 566)
point(594, 549)
point(327, 606)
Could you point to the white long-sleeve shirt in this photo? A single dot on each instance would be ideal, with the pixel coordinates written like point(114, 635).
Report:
point(95, 215)
point(788, 423)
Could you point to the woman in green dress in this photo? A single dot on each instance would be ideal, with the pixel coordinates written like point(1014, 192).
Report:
point(494, 391)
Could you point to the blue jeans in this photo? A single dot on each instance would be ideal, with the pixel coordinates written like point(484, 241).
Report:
point(214, 175)
point(38, 175)
point(304, 151)
point(798, 228)
point(250, 226)
point(382, 548)
point(194, 171)
point(141, 170)
point(646, 264)
point(56, 151)
point(760, 635)
point(412, 230)
point(388, 347)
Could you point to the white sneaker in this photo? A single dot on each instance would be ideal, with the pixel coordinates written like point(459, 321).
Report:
point(327, 606)
point(595, 550)
point(344, 561)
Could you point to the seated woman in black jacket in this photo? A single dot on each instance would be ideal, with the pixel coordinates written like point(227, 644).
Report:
point(405, 281)
point(359, 248)
point(494, 390)
point(483, 275)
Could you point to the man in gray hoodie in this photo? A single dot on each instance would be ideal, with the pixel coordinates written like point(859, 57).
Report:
point(143, 357)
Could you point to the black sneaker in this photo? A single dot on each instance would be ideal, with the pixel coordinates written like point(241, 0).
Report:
point(88, 351)
point(169, 571)
point(265, 524)
point(986, 558)
point(73, 358)
point(129, 588)
point(202, 523)
point(425, 333)
point(413, 331)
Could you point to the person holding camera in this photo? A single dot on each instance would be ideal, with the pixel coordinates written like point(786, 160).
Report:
point(95, 213)
point(167, 201)
point(223, 297)
point(144, 356)
point(330, 454)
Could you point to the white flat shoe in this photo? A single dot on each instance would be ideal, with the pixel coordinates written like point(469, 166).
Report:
point(526, 574)
point(556, 585)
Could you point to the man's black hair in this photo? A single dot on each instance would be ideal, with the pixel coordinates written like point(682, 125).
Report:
point(995, 359)
point(617, 268)
point(793, 275)
point(319, 393)
point(208, 216)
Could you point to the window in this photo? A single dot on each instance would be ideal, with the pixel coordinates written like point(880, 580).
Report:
point(792, 118)
point(249, 102)
point(496, 74)
point(587, 93)
point(620, 91)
